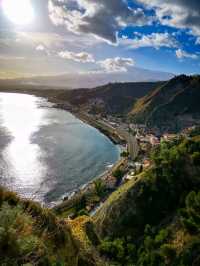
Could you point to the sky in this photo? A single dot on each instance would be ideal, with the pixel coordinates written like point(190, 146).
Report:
point(52, 37)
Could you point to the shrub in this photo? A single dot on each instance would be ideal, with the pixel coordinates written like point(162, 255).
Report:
point(16, 242)
point(168, 252)
point(196, 158)
point(11, 198)
point(190, 216)
point(161, 236)
point(190, 255)
point(113, 249)
point(100, 187)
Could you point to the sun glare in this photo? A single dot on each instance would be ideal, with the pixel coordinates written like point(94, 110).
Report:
point(19, 12)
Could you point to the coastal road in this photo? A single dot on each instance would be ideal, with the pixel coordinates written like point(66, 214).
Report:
point(133, 147)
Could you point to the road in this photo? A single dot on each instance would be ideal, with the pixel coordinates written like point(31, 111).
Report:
point(133, 147)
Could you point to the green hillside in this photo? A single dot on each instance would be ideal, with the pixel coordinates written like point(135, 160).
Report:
point(155, 219)
point(174, 105)
point(32, 235)
point(113, 98)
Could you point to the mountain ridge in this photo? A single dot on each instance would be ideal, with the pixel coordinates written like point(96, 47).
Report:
point(175, 102)
point(92, 79)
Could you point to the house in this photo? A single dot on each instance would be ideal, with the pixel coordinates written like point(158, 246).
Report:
point(169, 137)
point(129, 176)
point(146, 163)
point(154, 140)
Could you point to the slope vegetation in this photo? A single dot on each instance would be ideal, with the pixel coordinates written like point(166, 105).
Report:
point(116, 98)
point(32, 235)
point(155, 219)
point(173, 105)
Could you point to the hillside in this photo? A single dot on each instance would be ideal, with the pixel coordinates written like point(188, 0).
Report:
point(155, 218)
point(173, 105)
point(32, 235)
point(113, 98)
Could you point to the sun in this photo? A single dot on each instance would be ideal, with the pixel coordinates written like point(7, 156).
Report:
point(19, 12)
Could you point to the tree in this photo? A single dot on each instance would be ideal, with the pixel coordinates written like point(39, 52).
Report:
point(99, 187)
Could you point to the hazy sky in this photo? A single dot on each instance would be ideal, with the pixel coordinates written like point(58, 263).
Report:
point(42, 37)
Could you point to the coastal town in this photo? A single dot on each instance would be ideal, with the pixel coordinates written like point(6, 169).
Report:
point(136, 141)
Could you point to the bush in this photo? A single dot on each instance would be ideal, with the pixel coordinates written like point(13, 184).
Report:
point(118, 174)
point(124, 154)
point(113, 249)
point(100, 187)
point(161, 236)
point(190, 255)
point(196, 158)
point(11, 198)
point(16, 243)
point(168, 252)
point(190, 216)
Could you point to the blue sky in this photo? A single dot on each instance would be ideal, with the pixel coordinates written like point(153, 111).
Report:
point(115, 37)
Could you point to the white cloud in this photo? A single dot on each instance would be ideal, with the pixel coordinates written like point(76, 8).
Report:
point(177, 13)
point(198, 40)
point(40, 47)
point(180, 54)
point(102, 19)
point(156, 40)
point(117, 64)
point(82, 57)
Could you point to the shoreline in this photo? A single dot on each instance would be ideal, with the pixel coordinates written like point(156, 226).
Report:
point(108, 132)
point(117, 140)
point(111, 134)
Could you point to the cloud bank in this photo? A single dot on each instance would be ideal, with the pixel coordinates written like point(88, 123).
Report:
point(103, 19)
point(181, 14)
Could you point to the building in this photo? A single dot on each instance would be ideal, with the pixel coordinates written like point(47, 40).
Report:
point(154, 140)
point(146, 163)
point(169, 137)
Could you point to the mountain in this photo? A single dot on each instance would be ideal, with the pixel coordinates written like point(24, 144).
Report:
point(92, 79)
point(113, 98)
point(173, 105)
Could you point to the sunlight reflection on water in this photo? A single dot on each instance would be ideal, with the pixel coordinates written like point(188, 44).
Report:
point(45, 152)
point(22, 119)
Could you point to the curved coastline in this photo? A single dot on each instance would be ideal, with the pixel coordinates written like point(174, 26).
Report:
point(56, 105)
point(113, 136)
point(116, 136)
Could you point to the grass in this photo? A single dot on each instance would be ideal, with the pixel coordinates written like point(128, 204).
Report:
point(33, 235)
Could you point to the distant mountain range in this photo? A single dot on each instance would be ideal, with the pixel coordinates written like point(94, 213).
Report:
point(91, 79)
